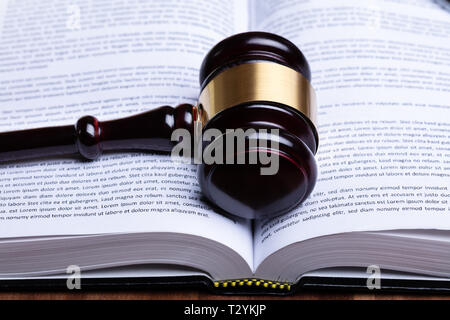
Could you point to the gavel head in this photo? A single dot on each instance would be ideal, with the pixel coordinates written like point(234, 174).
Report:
point(258, 109)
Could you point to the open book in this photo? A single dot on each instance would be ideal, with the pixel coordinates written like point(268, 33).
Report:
point(381, 70)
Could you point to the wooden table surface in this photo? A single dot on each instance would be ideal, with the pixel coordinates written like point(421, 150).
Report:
point(202, 295)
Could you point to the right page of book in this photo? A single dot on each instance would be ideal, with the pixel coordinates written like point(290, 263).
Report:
point(381, 70)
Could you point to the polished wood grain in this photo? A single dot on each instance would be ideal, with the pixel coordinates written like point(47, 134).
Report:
point(202, 295)
point(148, 131)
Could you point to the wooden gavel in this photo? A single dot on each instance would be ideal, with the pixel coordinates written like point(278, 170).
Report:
point(251, 80)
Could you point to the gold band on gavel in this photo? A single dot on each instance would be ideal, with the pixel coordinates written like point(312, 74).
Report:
point(258, 82)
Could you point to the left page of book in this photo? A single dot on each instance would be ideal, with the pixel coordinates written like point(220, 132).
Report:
point(61, 60)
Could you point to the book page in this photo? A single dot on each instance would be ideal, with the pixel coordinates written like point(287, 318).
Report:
point(381, 70)
point(62, 60)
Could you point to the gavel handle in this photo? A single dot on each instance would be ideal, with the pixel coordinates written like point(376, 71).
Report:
point(149, 131)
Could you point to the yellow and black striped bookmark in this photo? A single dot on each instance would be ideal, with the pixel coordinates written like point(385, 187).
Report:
point(243, 283)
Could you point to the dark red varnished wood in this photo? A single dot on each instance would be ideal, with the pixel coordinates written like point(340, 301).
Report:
point(149, 131)
point(36, 143)
point(252, 46)
point(241, 189)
